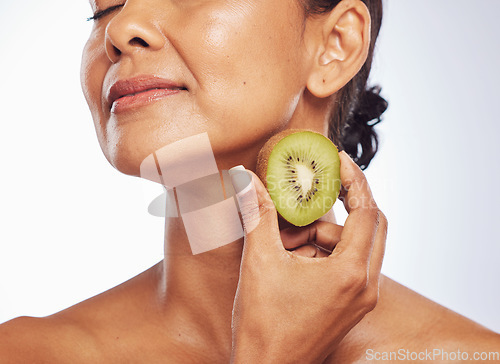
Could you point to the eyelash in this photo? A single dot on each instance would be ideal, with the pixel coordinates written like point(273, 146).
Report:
point(101, 13)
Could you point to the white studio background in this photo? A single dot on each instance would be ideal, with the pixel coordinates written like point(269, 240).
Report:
point(71, 226)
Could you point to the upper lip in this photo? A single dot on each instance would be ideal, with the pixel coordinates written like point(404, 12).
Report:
point(138, 84)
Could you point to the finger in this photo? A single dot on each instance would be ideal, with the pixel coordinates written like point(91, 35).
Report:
point(359, 230)
point(258, 213)
point(355, 191)
point(311, 251)
point(322, 252)
point(322, 233)
point(378, 252)
point(342, 196)
point(308, 250)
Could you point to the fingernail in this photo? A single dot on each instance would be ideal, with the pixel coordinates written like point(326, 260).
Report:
point(246, 196)
point(240, 178)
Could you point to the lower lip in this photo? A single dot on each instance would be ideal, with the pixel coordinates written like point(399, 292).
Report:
point(126, 103)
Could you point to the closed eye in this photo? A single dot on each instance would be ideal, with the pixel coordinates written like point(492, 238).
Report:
point(101, 13)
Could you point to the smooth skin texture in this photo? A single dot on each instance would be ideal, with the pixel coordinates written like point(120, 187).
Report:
point(250, 69)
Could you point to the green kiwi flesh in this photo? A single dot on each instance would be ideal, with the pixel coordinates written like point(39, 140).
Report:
point(303, 176)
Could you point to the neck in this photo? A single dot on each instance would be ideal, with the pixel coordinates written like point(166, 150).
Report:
point(196, 291)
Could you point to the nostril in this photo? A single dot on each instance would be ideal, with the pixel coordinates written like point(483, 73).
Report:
point(117, 51)
point(138, 41)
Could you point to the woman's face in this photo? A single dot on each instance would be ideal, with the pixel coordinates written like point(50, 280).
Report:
point(235, 69)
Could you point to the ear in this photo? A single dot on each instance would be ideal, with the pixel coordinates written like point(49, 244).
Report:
point(342, 42)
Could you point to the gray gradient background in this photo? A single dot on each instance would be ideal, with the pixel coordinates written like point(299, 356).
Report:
point(72, 227)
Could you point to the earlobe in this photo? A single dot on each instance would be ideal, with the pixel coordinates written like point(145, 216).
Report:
point(345, 41)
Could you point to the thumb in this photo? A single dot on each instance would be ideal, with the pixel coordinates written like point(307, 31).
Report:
point(258, 213)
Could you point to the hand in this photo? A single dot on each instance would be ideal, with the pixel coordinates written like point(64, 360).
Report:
point(314, 241)
point(295, 309)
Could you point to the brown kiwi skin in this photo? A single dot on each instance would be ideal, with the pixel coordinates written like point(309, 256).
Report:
point(262, 160)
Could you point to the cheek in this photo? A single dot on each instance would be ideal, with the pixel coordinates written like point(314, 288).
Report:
point(251, 69)
point(92, 73)
point(87, 77)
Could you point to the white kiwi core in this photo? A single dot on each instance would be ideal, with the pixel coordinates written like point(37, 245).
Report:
point(305, 177)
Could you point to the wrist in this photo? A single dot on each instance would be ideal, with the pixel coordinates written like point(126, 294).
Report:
point(249, 350)
point(255, 350)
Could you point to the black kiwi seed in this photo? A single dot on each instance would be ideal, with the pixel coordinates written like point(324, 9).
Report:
point(304, 148)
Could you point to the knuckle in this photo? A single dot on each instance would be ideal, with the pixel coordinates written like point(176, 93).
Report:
point(358, 179)
point(357, 280)
point(252, 213)
point(361, 279)
point(374, 214)
point(371, 298)
point(267, 206)
point(383, 223)
point(250, 217)
point(371, 214)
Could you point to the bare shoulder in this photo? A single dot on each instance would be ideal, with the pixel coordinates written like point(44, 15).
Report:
point(43, 340)
point(109, 325)
point(424, 321)
point(405, 322)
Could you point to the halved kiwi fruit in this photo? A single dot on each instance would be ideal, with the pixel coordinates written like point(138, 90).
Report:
point(301, 170)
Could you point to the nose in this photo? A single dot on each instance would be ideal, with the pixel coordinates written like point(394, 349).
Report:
point(131, 31)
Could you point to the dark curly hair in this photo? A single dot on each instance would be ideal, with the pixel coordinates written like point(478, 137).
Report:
point(358, 108)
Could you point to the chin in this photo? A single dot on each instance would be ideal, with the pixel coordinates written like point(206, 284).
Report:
point(126, 151)
point(125, 160)
point(129, 149)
